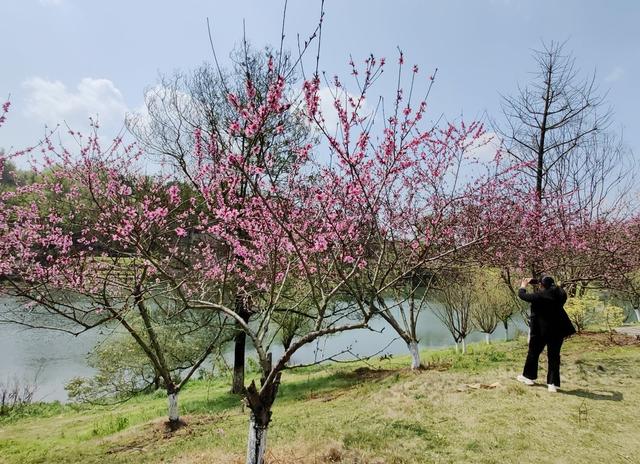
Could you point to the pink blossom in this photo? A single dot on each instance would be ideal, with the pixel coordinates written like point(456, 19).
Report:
point(174, 194)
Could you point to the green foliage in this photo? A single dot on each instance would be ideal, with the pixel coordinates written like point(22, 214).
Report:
point(291, 324)
point(613, 316)
point(7, 173)
point(493, 300)
point(124, 369)
point(582, 311)
point(478, 359)
point(39, 410)
point(295, 321)
point(589, 310)
point(108, 425)
point(252, 365)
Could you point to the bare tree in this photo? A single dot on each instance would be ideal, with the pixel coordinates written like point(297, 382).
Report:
point(550, 122)
point(484, 310)
point(455, 295)
point(410, 298)
point(558, 127)
point(15, 393)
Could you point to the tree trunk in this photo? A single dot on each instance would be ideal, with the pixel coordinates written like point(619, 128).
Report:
point(260, 403)
point(506, 330)
point(156, 382)
point(487, 338)
point(174, 415)
point(464, 346)
point(257, 442)
point(637, 311)
point(457, 348)
point(237, 385)
point(415, 354)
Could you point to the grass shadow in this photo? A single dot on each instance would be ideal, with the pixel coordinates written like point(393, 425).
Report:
point(216, 403)
point(341, 380)
point(603, 395)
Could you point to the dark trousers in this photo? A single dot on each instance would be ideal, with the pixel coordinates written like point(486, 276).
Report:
point(536, 345)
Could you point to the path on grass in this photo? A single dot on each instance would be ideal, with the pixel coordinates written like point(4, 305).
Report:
point(633, 331)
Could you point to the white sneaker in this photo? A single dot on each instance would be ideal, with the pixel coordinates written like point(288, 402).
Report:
point(552, 388)
point(524, 380)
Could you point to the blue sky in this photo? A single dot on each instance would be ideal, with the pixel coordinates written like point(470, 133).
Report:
point(67, 59)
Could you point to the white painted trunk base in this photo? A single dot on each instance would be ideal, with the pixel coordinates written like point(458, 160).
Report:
point(257, 443)
point(637, 311)
point(487, 338)
point(173, 407)
point(464, 346)
point(415, 354)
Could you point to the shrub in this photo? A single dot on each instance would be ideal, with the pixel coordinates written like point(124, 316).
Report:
point(581, 311)
point(613, 317)
point(15, 394)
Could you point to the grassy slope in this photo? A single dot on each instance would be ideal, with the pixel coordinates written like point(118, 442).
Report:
point(375, 413)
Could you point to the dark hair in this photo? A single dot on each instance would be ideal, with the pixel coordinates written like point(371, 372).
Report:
point(547, 281)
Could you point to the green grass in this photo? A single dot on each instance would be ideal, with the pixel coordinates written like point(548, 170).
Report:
point(375, 412)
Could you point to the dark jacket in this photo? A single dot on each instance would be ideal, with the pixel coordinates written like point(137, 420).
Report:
point(548, 317)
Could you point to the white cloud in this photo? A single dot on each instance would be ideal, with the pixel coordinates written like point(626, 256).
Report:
point(615, 74)
point(163, 100)
point(327, 97)
point(484, 148)
point(51, 102)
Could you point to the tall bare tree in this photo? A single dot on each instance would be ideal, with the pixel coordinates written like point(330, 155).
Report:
point(558, 127)
point(550, 121)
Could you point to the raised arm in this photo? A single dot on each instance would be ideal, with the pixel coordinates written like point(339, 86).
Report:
point(523, 295)
point(530, 297)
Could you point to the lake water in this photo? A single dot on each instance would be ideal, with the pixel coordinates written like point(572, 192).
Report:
point(56, 357)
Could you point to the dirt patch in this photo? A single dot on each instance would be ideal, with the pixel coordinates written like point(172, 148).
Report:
point(478, 386)
point(160, 431)
point(333, 452)
point(367, 373)
point(301, 453)
point(324, 397)
point(607, 340)
point(439, 366)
